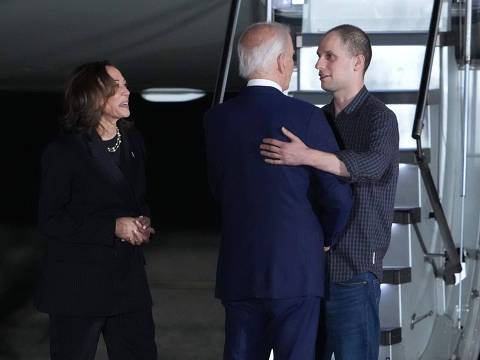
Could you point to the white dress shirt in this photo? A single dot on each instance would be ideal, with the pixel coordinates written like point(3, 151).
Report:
point(264, 82)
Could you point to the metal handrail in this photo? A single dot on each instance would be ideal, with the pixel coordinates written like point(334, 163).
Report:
point(227, 53)
point(452, 264)
point(427, 69)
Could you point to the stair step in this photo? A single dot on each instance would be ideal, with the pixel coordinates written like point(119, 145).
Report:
point(396, 275)
point(386, 96)
point(408, 186)
point(376, 38)
point(407, 156)
point(406, 215)
point(398, 252)
point(390, 38)
point(390, 336)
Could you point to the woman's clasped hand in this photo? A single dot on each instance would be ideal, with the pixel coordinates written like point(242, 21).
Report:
point(135, 230)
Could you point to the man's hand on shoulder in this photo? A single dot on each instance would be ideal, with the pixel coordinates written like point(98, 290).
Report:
point(295, 152)
point(278, 152)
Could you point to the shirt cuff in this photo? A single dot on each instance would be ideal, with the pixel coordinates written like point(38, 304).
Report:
point(348, 159)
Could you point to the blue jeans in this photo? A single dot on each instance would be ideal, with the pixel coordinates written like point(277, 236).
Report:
point(351, 327)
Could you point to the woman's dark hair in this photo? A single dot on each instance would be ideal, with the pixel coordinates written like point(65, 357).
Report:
point(86, 91)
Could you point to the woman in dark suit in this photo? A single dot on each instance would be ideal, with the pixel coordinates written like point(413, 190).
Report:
point(93, 214)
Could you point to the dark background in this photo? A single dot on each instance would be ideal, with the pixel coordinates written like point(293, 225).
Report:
point(178, 191)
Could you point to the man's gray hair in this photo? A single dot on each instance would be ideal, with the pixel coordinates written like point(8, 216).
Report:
point(261, 58)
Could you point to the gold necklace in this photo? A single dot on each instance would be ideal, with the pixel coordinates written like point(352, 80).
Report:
point(117, 143)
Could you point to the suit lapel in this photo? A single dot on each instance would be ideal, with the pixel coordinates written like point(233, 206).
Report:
point(128, 157)
point(109, 168)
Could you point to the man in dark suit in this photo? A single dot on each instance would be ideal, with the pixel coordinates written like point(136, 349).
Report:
point(276, 220)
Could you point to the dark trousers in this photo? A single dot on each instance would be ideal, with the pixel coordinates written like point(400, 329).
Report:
point(350, 328)
point(127, 336)
point(256, 326)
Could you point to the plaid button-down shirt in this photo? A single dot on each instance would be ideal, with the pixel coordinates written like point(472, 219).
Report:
point(367, 133)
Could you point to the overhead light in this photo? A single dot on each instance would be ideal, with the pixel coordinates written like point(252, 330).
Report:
point(172, 94)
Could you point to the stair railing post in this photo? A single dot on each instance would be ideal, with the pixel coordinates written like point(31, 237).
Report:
point(466, 116)
point(268, 11)
point(227, 53)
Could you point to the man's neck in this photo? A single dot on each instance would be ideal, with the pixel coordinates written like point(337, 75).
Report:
point(265, 82)
point(343, 98)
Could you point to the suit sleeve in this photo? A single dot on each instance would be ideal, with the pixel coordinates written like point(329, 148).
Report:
point(333, 196)
point(371, 164)
point(55, 218)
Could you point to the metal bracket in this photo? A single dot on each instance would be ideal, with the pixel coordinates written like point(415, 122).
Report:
point(414, 320)
point(429, 257)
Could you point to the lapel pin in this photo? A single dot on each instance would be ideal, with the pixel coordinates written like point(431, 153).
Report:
point(133, 155)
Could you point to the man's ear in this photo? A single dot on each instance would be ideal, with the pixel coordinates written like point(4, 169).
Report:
point(359, 63)
point(281, 63)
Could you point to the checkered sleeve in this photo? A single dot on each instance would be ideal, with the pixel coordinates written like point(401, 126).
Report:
point(371, 164)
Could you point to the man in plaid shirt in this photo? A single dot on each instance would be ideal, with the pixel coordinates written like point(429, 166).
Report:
point(367, 132)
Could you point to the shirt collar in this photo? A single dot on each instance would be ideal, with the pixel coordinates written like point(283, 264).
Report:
point(352, 106)
point(357, 101)
point(264, 82)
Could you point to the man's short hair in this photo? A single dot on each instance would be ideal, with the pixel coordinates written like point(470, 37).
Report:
point(356, 41)
point(260, 58)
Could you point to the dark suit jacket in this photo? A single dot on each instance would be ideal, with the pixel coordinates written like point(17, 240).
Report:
point(275, 219)
point(87, 270)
